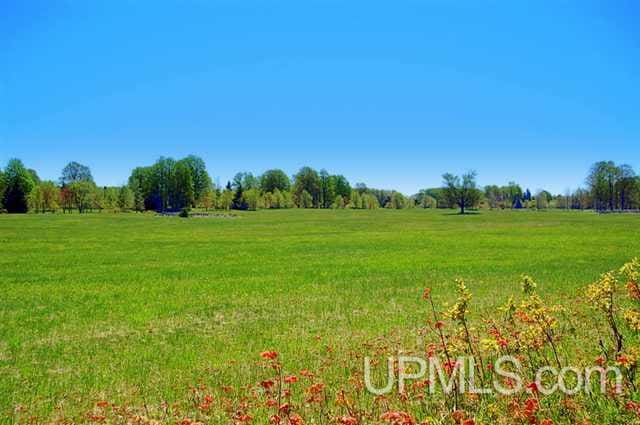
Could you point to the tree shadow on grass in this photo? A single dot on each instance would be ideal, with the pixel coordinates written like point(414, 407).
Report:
point(472, 213)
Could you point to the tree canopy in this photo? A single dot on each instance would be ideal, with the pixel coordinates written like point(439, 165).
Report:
point(461, 191)
point(74, 172)
point(18, 183)
point(173, 185)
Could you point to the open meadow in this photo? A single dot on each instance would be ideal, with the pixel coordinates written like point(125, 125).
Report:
point(136, 310)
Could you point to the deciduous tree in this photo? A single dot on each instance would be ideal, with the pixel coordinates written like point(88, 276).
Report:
point(273, 180)
point(74, 172)
point(461, 191)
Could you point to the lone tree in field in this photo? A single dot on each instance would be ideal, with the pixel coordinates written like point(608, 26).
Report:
point(461, 191)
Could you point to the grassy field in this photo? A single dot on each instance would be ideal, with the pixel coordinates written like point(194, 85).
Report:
point(134, 308)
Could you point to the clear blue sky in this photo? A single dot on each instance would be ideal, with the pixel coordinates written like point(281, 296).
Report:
point(388, 93)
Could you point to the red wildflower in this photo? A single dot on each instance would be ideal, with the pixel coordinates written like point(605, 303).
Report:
point(633, 406)
point(267, 384)
point(634, 290)
point(623, 360)
point(347, 420)
point(242, 418)
point(530, 409)
point(285, 408)
point(271, 402)
point(316, 388)
point(306, 373)
point(426, 294)
point(269, 355)
point(291, 379)
point(295, 420)
point(458, 416)
point(398, 418)
point(96, 418)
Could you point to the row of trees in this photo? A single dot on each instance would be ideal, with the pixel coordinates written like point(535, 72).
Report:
point(306, 189)
point(22, 190)
point(172, 185)
point(610, 187)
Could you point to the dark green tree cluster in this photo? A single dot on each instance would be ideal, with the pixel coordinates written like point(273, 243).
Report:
point(17, 184)
point(169, 184)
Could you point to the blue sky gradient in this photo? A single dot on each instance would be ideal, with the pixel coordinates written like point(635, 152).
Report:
point(392, 94)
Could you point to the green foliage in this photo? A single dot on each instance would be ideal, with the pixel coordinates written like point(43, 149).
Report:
point(2, 187)
point(44, 197)
point(208, 200)
point(171, 184)
point(82, 194)
point(461, 191)
point(200, 180)
point(252, 199)
point(138, 198)
point(183, 187)
point(273, 180)
point(226, 200)
point(307, 186)
point(397, 201)
point(338, 202)
point(18, 184)
point(125, 199)
point(613, 186)
point(305, 200)
point(74, 172)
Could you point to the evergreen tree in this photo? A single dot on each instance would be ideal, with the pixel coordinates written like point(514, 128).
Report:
point(18, 184)
point(239, 203)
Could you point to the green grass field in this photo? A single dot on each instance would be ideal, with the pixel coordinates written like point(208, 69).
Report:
point(134, 308)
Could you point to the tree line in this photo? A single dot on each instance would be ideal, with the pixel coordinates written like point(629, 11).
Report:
point(177, 185)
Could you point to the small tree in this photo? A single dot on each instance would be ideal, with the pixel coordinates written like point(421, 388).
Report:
point(35, 199)
point(306, 200)
point(251, 198)
point(138, 199)
point(356, 200)
point(81, 194)
point(50, 195)
point(66, 199)
point(461, 191)
point(370, 201)
point(542, 201)
point(208, 199)
point(226, 200)
point(125, 199)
